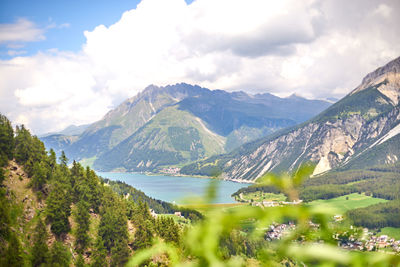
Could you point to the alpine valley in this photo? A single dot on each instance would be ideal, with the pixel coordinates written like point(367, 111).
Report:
point(179, 124)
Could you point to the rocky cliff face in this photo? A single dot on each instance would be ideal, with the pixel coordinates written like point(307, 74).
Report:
point(347, 131)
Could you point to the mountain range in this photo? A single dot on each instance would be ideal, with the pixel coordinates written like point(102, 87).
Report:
point(178, 124)
point(360, 130)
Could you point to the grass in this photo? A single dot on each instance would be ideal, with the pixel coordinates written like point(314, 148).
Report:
point(348, 202)
point(262, 196)
point(391, 232)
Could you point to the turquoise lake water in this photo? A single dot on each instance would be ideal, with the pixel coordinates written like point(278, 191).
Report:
point(175, 189)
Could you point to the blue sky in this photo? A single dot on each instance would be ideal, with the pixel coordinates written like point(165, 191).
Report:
point(70, 62)
point(63, 21)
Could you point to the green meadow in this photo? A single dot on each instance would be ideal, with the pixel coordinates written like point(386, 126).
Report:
point(391, 231)
point(348, 202)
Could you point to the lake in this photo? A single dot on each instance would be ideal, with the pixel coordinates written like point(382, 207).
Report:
point(174, 188)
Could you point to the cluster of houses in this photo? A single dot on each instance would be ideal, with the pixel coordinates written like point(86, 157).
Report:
point(382, 241)
point(171, 170)
point(276, 203)
point(369, 241)
point(277, 231)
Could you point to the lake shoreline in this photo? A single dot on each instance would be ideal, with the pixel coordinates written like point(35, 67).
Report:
point(240, 181)
point(170, 188)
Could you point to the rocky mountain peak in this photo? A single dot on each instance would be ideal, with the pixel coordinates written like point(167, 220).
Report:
point(387, 80)
point(391, 67)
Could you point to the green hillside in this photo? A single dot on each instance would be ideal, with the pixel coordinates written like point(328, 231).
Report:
point(368, 103)
point(172, 137)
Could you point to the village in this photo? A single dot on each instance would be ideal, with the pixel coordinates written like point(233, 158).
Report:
point(368, 241)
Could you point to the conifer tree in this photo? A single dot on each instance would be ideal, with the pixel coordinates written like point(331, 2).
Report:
point(22, 144)
point(99, 254)
point(59, 255)
point(39, 177)
point(58, 209)
point(13, 255)
point(52, 159)
point(143, 234)
point(119, 254)
point(40, 251)
point(4, 216)
point(6, 141)
point(82, 218)
point(80, 262)
point(63, 159)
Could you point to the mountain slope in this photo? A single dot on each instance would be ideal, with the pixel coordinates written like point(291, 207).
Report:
point(334, 138)
point(227, 119)
point(171, 137)
point(127, 118)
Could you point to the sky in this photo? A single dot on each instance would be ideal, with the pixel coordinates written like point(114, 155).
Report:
point(70, 62)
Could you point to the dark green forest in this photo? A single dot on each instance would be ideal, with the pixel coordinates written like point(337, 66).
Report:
point(73, 194)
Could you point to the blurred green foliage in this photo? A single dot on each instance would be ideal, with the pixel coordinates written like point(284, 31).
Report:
point(310, 244)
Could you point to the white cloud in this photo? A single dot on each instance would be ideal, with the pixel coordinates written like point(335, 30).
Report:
point(315, 48)
point(16, 52)
point(22, 30)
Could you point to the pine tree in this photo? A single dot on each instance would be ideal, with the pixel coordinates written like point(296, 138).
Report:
point(95, 193)
point(14, 252)
point(4, 216)
point(63, 159)
point(80, 262)
point(99, 254)
point(143, 234)
point(52, 159)
point(119, 254)
point(82, 218)
point(58, 209)
point(40, 251)
point(23, 142)
point(39, 176)
point(59, 255)
point(6, 141)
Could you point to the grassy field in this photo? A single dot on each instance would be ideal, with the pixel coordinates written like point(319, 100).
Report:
point(391, 231)
point(348, 202)
point(261, 196)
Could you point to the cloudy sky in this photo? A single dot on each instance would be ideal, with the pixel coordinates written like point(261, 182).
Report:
point(64, 63)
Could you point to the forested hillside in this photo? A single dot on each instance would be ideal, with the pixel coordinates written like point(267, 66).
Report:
point(55, 215)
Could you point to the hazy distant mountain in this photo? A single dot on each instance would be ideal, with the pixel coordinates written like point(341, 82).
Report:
point(60, 140)
point(359, 130)
point(181, 123)
point(70, 130)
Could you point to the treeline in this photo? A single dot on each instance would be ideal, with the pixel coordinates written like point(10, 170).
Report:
point(159, 206)
point(70, 194)
point(257, 188)
point(377, 216)
point(381, 182)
